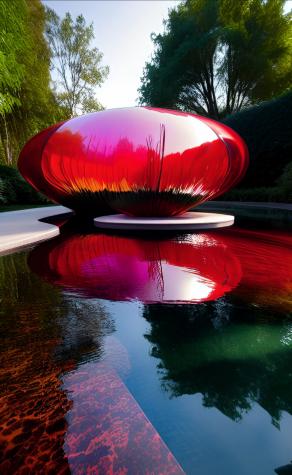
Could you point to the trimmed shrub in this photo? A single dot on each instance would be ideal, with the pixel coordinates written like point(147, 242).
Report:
point(272, 194)
point(282, 192)
point(267, 130)
point(14, 189)
point(285, 182)
point(2, 190)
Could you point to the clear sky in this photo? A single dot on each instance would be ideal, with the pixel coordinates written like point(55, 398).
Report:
point(122, 32)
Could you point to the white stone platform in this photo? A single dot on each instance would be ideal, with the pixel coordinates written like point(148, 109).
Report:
point(191, 221)
point(21, 228)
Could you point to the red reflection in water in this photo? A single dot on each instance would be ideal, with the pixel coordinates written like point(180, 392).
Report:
point(256, 264)
point(197, 269)
point(57, 417)
point(32, 407)
point(141, 161)
point(108, 433)
point(266, 262)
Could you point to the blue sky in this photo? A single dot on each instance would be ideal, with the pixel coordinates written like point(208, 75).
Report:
point(122, 32)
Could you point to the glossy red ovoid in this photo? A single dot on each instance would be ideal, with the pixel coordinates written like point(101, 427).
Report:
point(141, 161)
point(197, 269)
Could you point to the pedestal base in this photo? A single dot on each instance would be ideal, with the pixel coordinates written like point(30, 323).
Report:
point(190, 221)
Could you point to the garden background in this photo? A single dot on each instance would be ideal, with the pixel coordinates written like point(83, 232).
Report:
point(228, 60)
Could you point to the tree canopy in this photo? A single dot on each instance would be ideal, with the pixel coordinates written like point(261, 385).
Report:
point(27, 103)
point(28, 100)
point(12, 45)
point(217, 56)
point(77, 66)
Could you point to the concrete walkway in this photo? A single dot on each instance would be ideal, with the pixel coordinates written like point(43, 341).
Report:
point(21, 228)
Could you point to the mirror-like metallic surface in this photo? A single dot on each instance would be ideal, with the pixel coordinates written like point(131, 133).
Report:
point(139, 161)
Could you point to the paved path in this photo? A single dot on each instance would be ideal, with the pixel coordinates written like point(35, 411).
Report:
point(21, 228)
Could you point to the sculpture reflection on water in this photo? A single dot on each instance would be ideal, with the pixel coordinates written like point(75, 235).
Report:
point(193, 268)
point(255, 265)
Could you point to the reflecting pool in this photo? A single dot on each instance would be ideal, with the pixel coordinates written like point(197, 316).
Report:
point(125, 354)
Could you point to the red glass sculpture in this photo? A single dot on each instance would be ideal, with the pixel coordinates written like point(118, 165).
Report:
point(140, 161)
point(196, 269)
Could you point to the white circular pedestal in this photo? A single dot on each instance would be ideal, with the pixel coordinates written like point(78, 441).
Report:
point(190, 221)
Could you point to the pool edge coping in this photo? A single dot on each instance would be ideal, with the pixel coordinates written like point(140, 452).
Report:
point(23, 228)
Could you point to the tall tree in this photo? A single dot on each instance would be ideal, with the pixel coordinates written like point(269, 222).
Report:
point(217, 56)
point(27, 103)
point(38, 106)
point(76, 64)
point(12, 44)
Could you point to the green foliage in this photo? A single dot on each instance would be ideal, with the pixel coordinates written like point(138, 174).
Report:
point(14, 189)
point(38, 106)
point(285, 182)
point(29, 104)
point(2, 192)
point(267, 131)
point(78, 66)
point(271, 194)
point(217, 56)
point(12, 45)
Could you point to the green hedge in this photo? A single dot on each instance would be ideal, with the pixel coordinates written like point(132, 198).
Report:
point(14, 189)
point(272, 194)
point(267, 130)
point(282, 192)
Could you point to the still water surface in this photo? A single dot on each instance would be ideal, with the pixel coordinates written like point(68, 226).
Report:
point(101, 334)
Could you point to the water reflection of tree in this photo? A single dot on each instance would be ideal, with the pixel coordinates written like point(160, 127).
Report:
point(38, 345)
point(232, 365)
point(28, 300)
